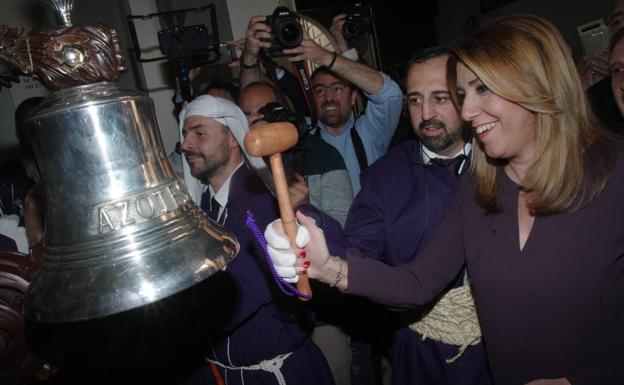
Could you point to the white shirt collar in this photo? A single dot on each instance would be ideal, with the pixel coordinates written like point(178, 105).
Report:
point(222, 195)
point(427, 154)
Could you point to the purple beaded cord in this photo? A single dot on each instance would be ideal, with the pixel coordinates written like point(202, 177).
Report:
point(284, 286)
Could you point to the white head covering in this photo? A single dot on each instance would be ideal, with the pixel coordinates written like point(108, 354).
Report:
point(228, 114)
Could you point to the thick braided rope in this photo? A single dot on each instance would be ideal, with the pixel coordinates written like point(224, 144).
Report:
point(453, 320)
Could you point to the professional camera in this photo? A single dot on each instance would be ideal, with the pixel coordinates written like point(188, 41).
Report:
point(185, 46)
point(276, 112)
point(356, 24)
point(286, 30)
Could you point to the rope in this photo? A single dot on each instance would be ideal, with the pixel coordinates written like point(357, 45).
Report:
point(284, 286)
point(453, 321)
point(272, 366)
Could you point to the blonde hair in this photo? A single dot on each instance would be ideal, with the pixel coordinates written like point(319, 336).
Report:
point(525, 60)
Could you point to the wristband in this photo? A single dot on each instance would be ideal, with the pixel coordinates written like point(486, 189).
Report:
point(248, 66)
point(335, 55)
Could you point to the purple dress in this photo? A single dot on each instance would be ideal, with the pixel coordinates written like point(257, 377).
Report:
point(260, 322)
point(391, 220)
point(553, 309)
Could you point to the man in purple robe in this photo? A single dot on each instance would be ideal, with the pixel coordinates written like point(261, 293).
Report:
point(262, 336)
point(403, 198)
point(405, 204)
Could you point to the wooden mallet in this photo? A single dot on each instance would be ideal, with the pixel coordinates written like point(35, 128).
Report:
point(271, 140)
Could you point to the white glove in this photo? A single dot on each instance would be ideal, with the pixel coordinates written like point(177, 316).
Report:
point(280, 251)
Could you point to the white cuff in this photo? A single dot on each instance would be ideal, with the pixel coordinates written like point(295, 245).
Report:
point(351, 54)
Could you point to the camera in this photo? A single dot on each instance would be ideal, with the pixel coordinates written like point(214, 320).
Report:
point(594, 36)
point(276, 112)
point(183, 42)
point(286, 30)
point(356, 24)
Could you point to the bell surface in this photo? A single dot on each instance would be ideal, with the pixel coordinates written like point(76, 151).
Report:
point(121, 228)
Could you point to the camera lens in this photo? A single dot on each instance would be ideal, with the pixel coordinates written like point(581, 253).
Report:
point(355, 25)
point(290, 34)
point(287, 31)
point(353, 29)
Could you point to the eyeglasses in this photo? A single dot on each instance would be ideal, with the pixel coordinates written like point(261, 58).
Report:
point(336, 89)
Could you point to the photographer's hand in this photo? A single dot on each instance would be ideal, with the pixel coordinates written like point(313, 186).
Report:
point(238, 46)
point(194, 72)
point(257, 36)
point(361, 75)
point(298, 190)
point(336, 30)
point(309, 50)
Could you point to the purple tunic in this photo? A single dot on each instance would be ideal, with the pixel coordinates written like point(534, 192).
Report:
point(554, 309)
point(392, 218)
point(261, 322)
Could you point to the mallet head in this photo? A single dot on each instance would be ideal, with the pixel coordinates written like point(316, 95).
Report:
point(272, 138)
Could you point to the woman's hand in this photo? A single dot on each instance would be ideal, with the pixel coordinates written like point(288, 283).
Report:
point(315, 251)
point(283, 256)
point(290, 263)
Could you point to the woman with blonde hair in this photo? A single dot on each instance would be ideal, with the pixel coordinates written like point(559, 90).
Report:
point(537, 221)
point(525, 61)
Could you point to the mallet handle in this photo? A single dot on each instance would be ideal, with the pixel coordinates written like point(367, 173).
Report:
point(287, 214)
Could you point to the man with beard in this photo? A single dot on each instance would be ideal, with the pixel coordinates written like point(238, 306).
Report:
point(320, 176)
point(362, 140)
point(258, 335)
point(403, 198)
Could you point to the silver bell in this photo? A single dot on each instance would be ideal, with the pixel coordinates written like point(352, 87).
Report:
point(121, 228)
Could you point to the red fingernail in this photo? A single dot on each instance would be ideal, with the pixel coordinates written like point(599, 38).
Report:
point(306, 263)
point(303, 254)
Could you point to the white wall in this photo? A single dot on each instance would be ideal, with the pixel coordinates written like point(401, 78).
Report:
point(157, 79)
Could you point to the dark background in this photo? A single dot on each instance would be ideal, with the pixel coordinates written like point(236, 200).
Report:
point(400, 29)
